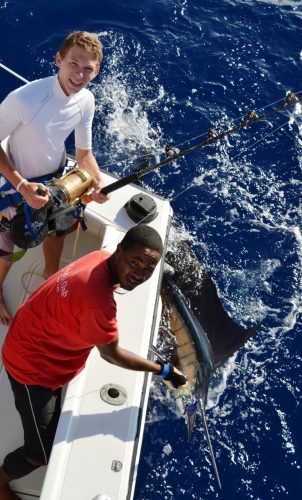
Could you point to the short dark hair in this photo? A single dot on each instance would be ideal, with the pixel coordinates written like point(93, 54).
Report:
point(145, 235)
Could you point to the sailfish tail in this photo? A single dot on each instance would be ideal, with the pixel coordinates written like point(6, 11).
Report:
point(205, 426)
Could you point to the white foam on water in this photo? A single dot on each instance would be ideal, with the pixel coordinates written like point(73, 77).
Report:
point(286, 434)
point(254, 207)
point(124, 130)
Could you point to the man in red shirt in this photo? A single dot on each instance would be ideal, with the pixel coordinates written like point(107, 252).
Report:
point(53, 332)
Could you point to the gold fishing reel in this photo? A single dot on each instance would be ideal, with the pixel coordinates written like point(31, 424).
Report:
point(72, 186)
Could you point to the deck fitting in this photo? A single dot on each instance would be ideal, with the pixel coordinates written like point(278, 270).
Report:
point(141, 208)
point(116, 465)
point(113, 394)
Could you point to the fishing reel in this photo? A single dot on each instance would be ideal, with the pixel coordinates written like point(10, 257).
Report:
point(70, 188)
point(68, 197)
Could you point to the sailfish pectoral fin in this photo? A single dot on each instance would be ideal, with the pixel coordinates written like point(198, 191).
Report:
point(205, 426)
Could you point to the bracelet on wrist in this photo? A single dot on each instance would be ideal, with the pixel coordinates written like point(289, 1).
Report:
point(20, 184)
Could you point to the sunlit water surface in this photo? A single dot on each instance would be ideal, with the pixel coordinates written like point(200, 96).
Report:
point(172, 70)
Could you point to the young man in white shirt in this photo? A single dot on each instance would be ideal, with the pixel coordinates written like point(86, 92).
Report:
point(38, 118)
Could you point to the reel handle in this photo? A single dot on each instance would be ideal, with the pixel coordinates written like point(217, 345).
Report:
point(41, 190)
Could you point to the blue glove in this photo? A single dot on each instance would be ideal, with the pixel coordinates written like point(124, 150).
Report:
point(171, 376)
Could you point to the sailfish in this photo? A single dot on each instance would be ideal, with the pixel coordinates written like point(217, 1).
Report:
point(205, 334)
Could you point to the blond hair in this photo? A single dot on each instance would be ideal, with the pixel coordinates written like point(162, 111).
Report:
point(85, 40)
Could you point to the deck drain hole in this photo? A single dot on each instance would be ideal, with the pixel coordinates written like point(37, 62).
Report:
point(113, 394)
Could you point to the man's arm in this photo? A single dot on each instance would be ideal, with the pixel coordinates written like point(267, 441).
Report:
point(86, 159)
point(27, 189)
point(8, 170)
point(11, 115)
point(116, 355)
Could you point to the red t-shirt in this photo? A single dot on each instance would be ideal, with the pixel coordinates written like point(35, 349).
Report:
point(53, 332)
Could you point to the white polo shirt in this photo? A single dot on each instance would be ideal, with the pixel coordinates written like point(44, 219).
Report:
point(38, 118)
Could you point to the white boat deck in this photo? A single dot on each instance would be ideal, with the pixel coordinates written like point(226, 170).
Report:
point(97, 443)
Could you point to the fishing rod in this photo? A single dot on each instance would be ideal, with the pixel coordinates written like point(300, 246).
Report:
point(213, 136)
point(14, 73)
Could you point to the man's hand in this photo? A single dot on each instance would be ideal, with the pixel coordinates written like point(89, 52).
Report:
point(87, 161)
point(96, 194)
point(29, 191)
point(171, 376)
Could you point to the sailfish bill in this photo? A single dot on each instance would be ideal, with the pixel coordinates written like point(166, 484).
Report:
point(205, 426)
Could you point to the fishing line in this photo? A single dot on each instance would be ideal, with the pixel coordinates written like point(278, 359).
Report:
point(260, 140)
point(241, 117)
point(232, 159)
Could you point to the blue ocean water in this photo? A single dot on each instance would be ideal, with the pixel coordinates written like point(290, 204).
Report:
point(172, 70)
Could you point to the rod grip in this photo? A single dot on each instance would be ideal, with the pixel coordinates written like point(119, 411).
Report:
point(113, 186)
point(119, 183)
